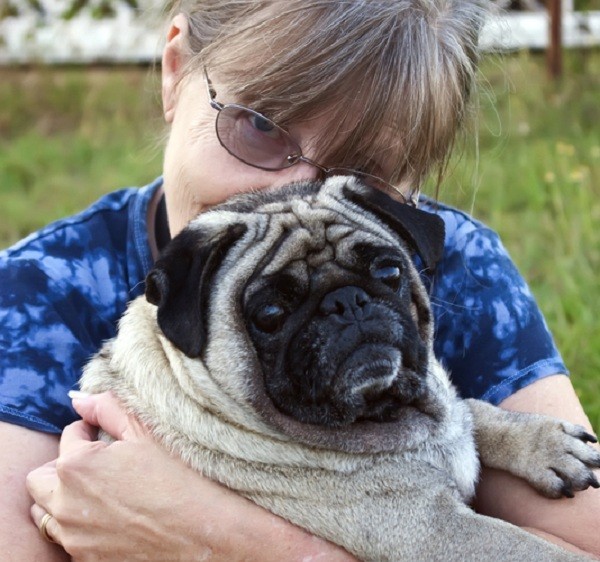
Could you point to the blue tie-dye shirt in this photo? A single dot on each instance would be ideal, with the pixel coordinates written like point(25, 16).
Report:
point(63, 289)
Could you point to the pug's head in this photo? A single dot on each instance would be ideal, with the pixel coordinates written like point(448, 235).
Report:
point(312, 288)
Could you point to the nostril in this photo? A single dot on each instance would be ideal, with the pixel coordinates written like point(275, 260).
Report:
point(360, 298)
point(344, 301)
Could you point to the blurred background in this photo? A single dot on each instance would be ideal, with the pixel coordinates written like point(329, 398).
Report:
point(80, 115)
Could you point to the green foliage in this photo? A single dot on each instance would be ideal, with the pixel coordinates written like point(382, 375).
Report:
point(584, 5)
point(97, 8)
point(68, 135)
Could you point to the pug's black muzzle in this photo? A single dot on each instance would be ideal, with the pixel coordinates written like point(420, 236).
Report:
point(358, 358)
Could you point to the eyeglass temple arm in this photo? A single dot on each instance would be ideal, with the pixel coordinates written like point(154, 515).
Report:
point(212, 93)
point(294, 158)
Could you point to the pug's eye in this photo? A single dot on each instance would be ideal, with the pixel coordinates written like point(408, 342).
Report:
point(270, 318)
point(389, 272)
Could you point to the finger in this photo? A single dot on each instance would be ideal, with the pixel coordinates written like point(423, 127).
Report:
point(37, 512)
point(77, 435)
point(41, 483)
point(52, 529)
point(105, 411)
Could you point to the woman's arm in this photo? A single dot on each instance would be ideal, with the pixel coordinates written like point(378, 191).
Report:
point(574, 521)
point(23, 450)
point(93, 478)
point(131, 500)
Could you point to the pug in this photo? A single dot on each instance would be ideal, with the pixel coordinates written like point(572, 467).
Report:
point(284, 349)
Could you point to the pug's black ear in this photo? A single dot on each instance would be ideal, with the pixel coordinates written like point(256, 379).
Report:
point(423, 232)
point(180, 282)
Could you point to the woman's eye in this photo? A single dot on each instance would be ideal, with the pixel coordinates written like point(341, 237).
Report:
point(270, 318)
point(262, 124)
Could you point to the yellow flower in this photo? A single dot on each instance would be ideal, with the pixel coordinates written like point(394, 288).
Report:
point(565, 149)
point(549, 177)
point(579, 174)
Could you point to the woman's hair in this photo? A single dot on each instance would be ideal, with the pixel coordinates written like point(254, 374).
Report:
point(393, 78)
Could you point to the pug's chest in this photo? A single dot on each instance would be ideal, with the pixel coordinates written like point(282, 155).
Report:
point(292, 480)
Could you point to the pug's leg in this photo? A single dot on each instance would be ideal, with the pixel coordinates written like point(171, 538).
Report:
point(431, 524)
point(465, 536)
point(552, 455)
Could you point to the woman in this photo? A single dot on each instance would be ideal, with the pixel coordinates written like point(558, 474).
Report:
point(379, 87)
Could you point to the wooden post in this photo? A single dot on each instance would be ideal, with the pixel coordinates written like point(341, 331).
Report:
point(554, 53)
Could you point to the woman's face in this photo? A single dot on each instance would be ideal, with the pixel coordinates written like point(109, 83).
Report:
point(199, 172)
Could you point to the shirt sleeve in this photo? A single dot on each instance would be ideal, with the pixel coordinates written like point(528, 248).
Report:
point(490, 333)
point(48, 330)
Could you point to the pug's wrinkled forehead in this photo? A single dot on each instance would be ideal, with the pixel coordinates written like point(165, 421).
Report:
point(314, 236)
point(312, 218)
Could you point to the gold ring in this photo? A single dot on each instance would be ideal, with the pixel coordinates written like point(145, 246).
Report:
point(43, 527)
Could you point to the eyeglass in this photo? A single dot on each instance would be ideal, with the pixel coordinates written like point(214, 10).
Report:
point(257, 141)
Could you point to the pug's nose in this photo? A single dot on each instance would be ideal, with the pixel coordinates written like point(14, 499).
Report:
point(351, 303)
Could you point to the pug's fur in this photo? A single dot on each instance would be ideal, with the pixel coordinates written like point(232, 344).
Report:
point(284, 349)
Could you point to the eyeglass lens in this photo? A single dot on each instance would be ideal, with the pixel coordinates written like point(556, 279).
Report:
point(254, 139)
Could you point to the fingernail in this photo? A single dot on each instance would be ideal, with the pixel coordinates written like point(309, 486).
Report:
point(77, 394)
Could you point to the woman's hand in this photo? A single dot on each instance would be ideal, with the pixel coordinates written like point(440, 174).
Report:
point(131, 500)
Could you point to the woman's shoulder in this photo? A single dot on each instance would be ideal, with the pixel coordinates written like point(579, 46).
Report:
point(103, 245)
point(107, 216)
point(490, 333)
point(460, 226)
point(472, 251)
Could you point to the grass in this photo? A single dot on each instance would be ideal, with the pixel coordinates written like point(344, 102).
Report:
point(68, 135)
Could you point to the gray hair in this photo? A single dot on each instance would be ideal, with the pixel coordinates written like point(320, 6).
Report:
point(392, 77)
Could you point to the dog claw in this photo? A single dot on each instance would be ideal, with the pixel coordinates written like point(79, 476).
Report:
point(588, 437)
point(567, 491)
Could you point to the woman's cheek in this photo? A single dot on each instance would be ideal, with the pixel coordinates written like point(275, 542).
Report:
point(182, 207)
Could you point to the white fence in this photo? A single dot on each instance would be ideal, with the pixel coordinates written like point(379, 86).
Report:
point(520, 30)
point(130, 39)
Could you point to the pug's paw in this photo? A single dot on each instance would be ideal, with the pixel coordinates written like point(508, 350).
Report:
point(562, 462)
